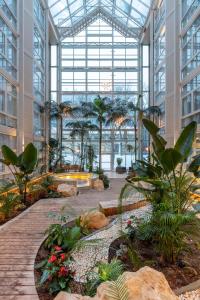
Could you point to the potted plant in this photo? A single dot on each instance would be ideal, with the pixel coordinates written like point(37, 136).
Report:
point(119, 168)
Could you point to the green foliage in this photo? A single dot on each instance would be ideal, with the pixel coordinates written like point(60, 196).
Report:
point(21, 166)
point(103, 177)
point(117, 289)
point(105, 272)
point(59, 234)
point(167, 184)
point(5, 185)
point(8, 203)
point(119, 161)
point(56, 273)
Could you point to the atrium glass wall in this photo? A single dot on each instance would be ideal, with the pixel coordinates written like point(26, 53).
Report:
point(159, 61)
point(39, 74)
point(100, 60)
point(8, 74)
point(191, 63)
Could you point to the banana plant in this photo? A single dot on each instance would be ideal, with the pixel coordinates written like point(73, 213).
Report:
point(167, 177)
point(21, 166)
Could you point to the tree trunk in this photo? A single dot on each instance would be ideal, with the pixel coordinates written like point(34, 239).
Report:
point(135, 146)
point(61, 140)
point(82, 166)
point(100, 142)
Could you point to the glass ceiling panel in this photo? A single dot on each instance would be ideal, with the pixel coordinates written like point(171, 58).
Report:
point(131, 14)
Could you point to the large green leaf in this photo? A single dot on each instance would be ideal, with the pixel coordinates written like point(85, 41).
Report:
point(9, 156)
point(170, 159)
point(150, 126)
point(29, 157)
point(185, 141)
point(195, 164)
point(158, 141)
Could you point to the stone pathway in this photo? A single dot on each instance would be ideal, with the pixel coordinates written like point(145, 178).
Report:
point(21, 238)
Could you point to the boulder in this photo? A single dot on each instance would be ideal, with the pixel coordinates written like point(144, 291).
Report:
point(94, 220)
point(145, 284)
point(98, 185)
point(67, 190)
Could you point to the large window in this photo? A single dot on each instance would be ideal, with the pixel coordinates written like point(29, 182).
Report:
point(98, 60)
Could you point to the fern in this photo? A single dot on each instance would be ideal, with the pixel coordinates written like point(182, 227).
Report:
point(117, 290)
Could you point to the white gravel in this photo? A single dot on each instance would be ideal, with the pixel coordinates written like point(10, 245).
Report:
point(194, 295)
point(86, 258)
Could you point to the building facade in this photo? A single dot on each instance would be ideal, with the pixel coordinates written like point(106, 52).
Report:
point(26, 31)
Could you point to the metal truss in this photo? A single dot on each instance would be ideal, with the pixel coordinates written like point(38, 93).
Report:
point(99, 13)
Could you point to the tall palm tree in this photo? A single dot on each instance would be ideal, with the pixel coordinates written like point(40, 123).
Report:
point(59, 111)
point(81, 128)
point(138, 114)
point(99, 110)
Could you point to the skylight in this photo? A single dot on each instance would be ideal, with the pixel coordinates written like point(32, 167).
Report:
point(70, 16)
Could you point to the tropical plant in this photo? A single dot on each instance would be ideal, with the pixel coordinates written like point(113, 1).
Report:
point(105, 272)
point(56, 271)
point(168, 184)
point(6, 185)
point(98, 110)
point(138, 114)
point(117, 290)
point(59, 234)
point(90, 157)
point(103, 177)
point(81, 128)
point(59, 111)
point(130, 150)
point(21, 166)
point(119, 161)
point(8, 203)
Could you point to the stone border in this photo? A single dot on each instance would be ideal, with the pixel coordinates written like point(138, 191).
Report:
point(188, 288)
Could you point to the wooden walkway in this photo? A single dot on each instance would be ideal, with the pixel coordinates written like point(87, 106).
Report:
point(21, 238)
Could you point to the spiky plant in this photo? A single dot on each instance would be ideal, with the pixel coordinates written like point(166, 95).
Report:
point(105, 272)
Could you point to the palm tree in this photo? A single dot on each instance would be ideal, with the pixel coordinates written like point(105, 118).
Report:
point(138, 114)
point(99, 110)
point(81, 129)
point(59, 111)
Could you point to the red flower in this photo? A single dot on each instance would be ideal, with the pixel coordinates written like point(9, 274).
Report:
point(50, 278)
point(52, 258)
point(129, 222)
point(57, 248)
point(63, 271)
point(62, 255)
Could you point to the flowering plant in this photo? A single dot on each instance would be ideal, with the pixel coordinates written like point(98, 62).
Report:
point(56, 271)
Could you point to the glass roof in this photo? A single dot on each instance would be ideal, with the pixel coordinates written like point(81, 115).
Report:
point(69, 14)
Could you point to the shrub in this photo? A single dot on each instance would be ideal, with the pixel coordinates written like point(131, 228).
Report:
point(8, 203)
point(56, 271)
point(167, 184)
point(61, 235)
point(103, 177)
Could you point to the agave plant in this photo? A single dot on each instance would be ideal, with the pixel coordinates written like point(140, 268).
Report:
point(21, 166)
point(167, 182)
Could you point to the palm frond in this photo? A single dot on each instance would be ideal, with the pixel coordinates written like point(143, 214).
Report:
point(117, 290)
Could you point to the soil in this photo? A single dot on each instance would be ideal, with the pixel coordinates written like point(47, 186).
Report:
point(185, 271)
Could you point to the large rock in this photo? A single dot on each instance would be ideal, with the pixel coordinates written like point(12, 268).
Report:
point(98, 185)
point(145, 284)
point(94, 220)
point(67, 190)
